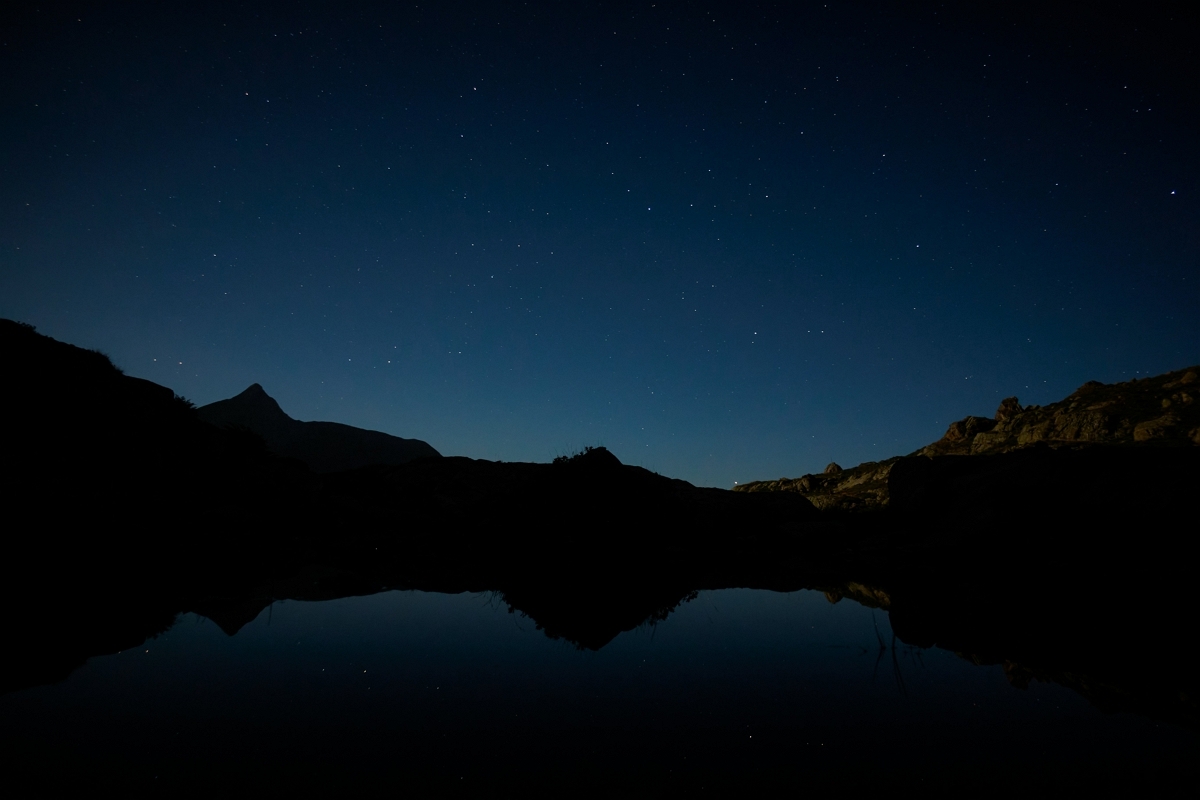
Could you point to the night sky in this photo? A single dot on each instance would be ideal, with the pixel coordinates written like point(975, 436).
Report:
point(727, 241)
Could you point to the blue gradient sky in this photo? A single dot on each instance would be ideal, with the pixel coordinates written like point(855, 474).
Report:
point(729, 242)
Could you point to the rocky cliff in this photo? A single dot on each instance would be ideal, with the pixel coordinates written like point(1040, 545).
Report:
point(1162, 411)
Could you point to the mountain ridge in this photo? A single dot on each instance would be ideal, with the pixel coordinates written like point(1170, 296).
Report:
point(1157, 411)
point(324, 446)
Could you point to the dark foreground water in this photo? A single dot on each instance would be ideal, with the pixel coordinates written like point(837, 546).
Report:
point(445, 693)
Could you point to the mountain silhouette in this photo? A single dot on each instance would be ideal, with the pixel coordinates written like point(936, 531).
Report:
point(323, 446)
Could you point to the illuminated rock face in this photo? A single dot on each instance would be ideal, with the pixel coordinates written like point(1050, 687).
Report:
point(1161, 411)
point(856, 489)
point(1009, 408)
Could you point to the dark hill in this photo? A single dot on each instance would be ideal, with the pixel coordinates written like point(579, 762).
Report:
point(85, 444)
point(588, 510)
point(323, 446)
point(99, 467)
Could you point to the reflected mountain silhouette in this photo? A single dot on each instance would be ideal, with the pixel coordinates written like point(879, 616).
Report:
point(125, 509)
point(1119, 656)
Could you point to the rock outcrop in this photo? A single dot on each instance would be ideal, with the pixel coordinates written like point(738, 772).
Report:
point(856, 489)
point(1162, 411)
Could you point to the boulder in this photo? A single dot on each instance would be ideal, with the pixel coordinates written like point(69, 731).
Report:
point(1154, 428)
point(965, 429)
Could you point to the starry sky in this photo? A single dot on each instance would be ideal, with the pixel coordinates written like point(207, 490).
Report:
point(728, 241)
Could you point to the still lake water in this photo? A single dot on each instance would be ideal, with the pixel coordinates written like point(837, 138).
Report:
point(447, 693)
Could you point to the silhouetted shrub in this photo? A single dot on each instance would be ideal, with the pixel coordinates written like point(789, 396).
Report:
point(567, 459)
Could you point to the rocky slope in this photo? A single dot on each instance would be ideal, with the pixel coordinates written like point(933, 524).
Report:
point(1161, 411)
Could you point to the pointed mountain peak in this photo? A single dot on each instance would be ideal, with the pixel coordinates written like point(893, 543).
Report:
point(256, 397)
point(254, 391)
point(324, 446)
point(253, 408)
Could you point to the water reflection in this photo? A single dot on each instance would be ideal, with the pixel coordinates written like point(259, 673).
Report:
point(400, 674)
point(422, 688)
point(1038, 640)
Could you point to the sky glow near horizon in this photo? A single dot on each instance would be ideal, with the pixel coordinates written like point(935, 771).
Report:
point(727, 243)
